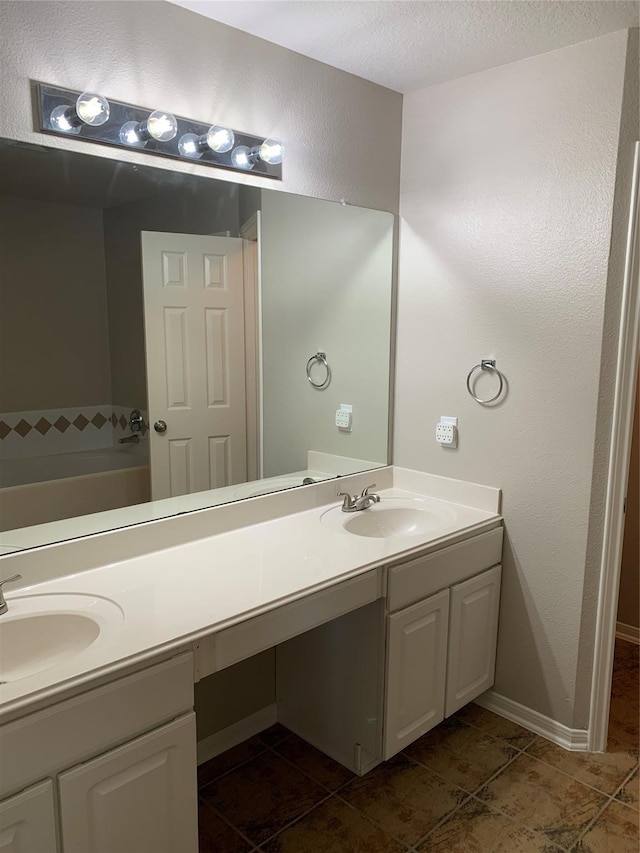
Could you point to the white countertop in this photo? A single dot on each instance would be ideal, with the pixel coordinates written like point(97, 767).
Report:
point(171, 597)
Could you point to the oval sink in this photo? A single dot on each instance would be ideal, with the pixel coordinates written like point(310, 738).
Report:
point(42, 631)
point(391, 521)
point(393, 518)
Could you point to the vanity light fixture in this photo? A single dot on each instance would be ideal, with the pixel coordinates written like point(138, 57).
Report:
point(160, 126)
point(218, 139)
point(89, 108)
point(91, 118)
point(270, 151)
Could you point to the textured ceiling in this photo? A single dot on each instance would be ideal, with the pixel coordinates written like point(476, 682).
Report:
point(408, 45)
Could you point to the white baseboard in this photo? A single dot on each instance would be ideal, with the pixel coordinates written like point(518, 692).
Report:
point(223, 740)
point(575, 740)
point(628, 632)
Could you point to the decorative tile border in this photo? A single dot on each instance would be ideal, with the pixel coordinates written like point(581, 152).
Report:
point(50, 431)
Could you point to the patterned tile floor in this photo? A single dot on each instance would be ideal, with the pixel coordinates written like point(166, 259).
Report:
point(476, 783)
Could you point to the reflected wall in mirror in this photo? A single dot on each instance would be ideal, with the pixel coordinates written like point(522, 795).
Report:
point(197, 303)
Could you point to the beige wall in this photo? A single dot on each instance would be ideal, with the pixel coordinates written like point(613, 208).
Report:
point(159, 55)
point(54, 349)
point(629, 599)
point(507, 193)
point(326, 287)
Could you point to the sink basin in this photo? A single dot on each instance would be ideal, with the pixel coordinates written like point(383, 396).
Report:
point(393, 518)
point(41, 631)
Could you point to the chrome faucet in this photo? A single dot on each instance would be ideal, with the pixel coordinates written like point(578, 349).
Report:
point(359, 502)
point(3, 604)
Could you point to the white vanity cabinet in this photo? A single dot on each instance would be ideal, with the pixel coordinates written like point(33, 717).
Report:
point(134, 799)
point(121, 762)
point(27, 821)
point(441, 650)
point(364, 686)
point(416, 671)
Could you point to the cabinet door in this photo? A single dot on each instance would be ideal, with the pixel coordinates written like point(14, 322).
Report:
point(473, 630)
point(416, 664)
point(139, 798)
point(27, 821)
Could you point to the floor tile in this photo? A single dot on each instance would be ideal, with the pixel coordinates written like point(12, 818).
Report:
point(461, 754)
point(604, 771)
point(615, 831)
point(543, 799)
point(215, 836)
point(492, 724)
point(630, 793)
point(476, 828)
point(624, 717)
point(333, 827)
point(625, 650)
point(260, 798)
point(274, 734)
point(405, 799)
point(226, 761)
point(314, 763)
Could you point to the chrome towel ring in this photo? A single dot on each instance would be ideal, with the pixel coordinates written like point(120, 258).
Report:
point(486, 364)
point(320, 357)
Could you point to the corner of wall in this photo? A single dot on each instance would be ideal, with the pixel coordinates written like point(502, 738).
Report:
point(629, 123)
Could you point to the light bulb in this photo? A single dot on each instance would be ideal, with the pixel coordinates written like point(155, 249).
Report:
point(64, 118)
point(271, 151)
point(130, 134)
point(242, 157)
point(89, 109)
point(220, 139)
point(189, 145)
point(92, 109)
point(161, 126)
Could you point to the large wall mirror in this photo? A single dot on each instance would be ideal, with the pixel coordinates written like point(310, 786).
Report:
point(169, 342)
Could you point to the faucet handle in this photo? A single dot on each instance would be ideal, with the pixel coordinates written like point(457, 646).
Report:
point(3, 604)
point(348, 501)
point(365, 491)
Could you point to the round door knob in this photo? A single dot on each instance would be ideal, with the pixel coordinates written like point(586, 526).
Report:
point(160, 426)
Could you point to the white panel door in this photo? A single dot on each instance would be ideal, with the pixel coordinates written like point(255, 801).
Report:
point(473, 631)
point(416, 666)
point(27, 821)
point(139, 798)
point(195, 350)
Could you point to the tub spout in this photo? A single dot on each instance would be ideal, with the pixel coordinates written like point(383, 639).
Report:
point(130, 439)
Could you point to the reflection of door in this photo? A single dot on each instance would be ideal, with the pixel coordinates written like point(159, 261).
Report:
point(194, 331)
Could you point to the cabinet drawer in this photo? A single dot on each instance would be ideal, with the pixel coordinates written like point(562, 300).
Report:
point(71, 731)
point(419, 578)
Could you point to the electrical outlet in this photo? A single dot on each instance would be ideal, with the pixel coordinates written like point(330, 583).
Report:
point(344, 417)
point(447, 432)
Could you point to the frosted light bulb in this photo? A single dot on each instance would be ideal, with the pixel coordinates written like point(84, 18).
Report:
point(92, 109)
point(220, 139)
point(161, 126)
point(242, 158)
point(271, 151)
point(189, 145)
